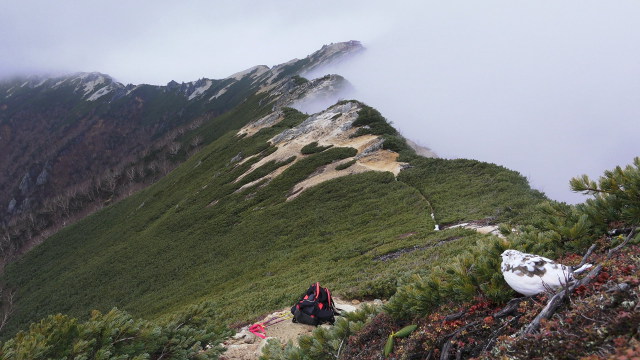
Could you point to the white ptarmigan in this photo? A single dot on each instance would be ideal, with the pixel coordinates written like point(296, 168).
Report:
point(531, 274)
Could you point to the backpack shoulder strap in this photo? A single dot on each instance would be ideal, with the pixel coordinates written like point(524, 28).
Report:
point(332, 304)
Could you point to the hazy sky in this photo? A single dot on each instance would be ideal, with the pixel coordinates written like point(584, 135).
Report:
point(548, 88)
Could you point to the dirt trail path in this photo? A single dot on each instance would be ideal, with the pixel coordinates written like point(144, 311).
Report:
point(247, 346)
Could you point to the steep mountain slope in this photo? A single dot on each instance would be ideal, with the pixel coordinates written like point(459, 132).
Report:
point(277, 199)
point(79, 141)
point(248, 223)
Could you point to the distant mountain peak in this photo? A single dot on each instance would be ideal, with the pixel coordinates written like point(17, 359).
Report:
point(348, 46)
point(331, 53)
point(93, 86)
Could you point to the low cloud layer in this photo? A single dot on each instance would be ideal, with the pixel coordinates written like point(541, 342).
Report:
point(551, 91)
point(156, 41)
point(547, 88)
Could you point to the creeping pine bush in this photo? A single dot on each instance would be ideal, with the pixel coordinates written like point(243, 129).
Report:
point(372, 122)
point(265, 170)
point(467, 276)
point(616, 196)
point(299, 80)
point(346, 165)
point(558, 227)
point(195, 333)
point(313, 148)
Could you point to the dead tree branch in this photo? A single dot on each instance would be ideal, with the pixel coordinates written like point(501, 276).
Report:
point(511, 307)
point(586, 257)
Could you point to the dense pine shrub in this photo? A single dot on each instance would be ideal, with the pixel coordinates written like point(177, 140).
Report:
point(372, 122)
point(195, 333)
point(313, 148)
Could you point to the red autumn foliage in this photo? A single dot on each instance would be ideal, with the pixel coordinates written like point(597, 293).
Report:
point(600, 321)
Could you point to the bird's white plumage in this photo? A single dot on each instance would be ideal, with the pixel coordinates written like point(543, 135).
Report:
point(531, 274)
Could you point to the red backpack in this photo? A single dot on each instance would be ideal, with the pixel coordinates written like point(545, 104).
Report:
point(315, 307)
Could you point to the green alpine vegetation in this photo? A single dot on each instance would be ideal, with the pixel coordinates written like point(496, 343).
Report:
point(73, 143)
point(195, 333)
point(242, 224)
point(193, 236)
point(313, 148)
point(458, 303)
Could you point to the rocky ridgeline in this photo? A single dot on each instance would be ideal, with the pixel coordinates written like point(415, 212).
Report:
point(91, 86)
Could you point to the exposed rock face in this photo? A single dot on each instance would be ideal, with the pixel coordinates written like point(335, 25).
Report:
point(266, 121)
point(326, 89)
point(237, 158)
point(372, 147)
point(88, 86)
point(331, 127)
point(94, 85)
point(323, 127)
point(324, 93)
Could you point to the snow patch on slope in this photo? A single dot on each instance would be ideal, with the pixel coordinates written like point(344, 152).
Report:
point(41, 82)
point(90, 85)
point(57, 84)
point(105, 90)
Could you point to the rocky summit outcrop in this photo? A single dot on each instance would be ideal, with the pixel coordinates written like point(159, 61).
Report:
point(328, 128)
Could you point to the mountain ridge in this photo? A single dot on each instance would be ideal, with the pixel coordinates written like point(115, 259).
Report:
point(97, 129)
point(103, 83)
point(233, 217)
point(259, 201)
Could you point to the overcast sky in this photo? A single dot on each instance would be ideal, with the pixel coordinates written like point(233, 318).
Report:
point(548, 88)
